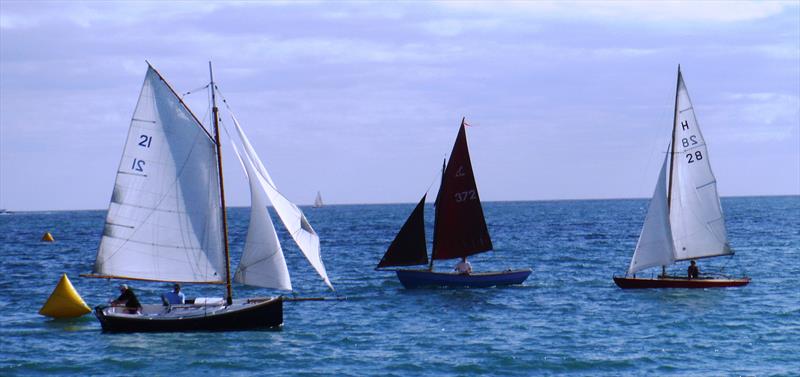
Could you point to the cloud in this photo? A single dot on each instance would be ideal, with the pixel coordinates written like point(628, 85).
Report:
point(639, 11)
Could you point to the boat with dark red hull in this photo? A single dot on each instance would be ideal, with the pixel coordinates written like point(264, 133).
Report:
point(167, 222)
point(684, 218)
point(459, 230)
point(678, 282)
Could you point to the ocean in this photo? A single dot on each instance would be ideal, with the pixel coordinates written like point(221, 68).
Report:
point(567, 319)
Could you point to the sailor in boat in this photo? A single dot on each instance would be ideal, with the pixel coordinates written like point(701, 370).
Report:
point(176, 297)
point(693, 271)
point(463, 267)
point(127, 299)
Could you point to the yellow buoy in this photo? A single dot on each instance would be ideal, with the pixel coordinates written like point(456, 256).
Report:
point(64, 302)
point(47, 237)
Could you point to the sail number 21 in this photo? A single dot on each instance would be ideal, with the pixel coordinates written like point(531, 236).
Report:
point(144, 141)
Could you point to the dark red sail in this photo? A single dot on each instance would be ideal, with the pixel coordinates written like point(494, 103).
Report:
point(460, 229)
point(409, 247)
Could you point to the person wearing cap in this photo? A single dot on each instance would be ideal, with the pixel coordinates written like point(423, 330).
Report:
point(175, 297)
point(127, 299)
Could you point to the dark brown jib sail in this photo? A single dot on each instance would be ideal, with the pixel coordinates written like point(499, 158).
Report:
point(409, 247)
point(460, 228)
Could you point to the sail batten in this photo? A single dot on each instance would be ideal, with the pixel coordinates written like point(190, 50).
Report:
point(460, 228)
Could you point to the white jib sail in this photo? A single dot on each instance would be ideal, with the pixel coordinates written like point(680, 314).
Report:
point(164, 219)
point(262, 262)
point(698, 226)
point(291, 216)
point(655, 247)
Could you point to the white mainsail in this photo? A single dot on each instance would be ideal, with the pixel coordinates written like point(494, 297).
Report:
point(318, 200)
point(655, 247)
point(262, 262)
point(698, 227)
point(291, 216)
point(164, 218)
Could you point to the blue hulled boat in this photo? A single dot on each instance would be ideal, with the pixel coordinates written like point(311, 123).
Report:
point(459, 231)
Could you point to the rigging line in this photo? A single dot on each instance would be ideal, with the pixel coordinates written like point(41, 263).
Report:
point(194, 90)
point(437, 175)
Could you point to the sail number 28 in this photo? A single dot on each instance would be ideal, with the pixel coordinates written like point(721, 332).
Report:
point(697, 156)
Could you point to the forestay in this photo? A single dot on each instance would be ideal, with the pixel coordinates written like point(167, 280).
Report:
point(291, 216)
point(164, 218)
point(655, 247)
point(698, 227)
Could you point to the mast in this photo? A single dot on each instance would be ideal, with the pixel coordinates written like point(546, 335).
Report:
point(672, 144)
point(672, 153)
point(215, 112)
point(436, 211)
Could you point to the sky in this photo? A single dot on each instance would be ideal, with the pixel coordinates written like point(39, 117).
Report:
point(362, 100)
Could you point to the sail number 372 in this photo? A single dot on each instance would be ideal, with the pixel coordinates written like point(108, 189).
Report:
point(465, 195)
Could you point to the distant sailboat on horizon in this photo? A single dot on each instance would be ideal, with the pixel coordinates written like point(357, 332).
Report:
point(459, 231)
point(318, 201)
point(684, 220)
point(167, 221)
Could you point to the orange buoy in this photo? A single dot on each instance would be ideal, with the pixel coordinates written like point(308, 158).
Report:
point(47, 237)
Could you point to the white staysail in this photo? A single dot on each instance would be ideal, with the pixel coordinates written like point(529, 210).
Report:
point(164, 219)
point(698, 227)
point(262, 263)
point(291, 216)
point(655, 247)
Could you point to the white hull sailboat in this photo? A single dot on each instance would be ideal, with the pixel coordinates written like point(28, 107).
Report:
point(684, 219)
point(167, 222)
point(318, 201)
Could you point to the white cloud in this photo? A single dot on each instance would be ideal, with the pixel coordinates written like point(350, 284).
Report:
point(642, 11)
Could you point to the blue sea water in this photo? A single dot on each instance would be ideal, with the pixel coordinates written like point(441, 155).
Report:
point(568, 318)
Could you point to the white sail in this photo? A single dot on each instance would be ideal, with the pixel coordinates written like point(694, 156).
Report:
point(655, 247)
point(291, 216)
point(164, 219)
point(262, 263)
point(698, 227)
point(318, 201)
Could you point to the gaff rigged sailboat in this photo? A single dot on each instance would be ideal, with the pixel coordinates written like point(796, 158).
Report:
point(684, 219)
point(459, 230)
point(167, 221)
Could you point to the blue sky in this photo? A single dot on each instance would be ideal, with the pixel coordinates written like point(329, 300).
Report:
point(362, 100)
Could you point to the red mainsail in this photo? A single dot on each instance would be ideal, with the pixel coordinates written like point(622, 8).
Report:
point(460, 229)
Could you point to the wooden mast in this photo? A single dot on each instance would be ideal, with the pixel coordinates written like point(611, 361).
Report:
point(672, 152)
point(215, 112)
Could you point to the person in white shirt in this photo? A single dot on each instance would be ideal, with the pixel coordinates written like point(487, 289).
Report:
point(175, 297)
point(463, 267)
